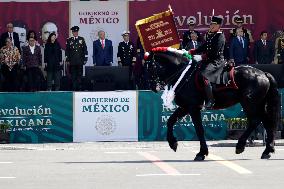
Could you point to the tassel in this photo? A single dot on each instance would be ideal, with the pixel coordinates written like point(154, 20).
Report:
point(168, 97)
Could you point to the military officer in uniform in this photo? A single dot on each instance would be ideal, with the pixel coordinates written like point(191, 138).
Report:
point(279, 47)
point(247, 33)
point(126, 55)
point(76, 57)
point(212, 57)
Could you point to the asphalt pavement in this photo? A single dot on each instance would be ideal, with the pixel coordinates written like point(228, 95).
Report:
point(138, 165)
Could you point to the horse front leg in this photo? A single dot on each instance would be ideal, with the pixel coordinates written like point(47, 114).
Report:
point(178, 114)
point(197, 121)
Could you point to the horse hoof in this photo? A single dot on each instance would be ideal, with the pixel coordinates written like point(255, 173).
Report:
point(199, 158)
point(240, 150)
point(174, 146)
point(265, 156)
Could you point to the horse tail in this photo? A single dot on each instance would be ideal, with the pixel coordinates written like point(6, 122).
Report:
point(273, 102)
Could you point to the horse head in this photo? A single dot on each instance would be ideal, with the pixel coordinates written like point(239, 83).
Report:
point(164, 64)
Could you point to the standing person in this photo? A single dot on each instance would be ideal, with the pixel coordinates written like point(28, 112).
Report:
point(76, 56)
point(263, 50)
point(186, 38)
point(53, 62)
point(102, 51)
point(193, 43)
point(12, 35)
point(279, 48)
point(9, 59)
point(32, 60)
point(31, 33)
point(126, 56)
point(212, 58)
point(239, 49)
point(247, 33)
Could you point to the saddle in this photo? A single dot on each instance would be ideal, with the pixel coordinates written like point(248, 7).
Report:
point(225, 80)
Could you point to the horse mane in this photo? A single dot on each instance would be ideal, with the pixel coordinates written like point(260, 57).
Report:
point(182, 55)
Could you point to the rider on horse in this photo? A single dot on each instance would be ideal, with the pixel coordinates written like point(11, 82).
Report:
point(212, 57)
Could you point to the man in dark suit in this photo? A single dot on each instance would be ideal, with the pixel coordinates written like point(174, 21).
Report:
point(246, 32)
point(193, 43)
point(76, 56)
point(12, 35)
point(102, 51)
point(239, 50)
point(126, 56)
point(186, 38)
point(263, 50)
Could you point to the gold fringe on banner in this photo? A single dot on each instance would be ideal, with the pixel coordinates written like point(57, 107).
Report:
point(150, 19)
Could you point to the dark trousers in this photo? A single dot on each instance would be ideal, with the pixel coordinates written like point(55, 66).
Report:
point(53, 75)
point(34, 75)
point(11, 82)
point(76, 72)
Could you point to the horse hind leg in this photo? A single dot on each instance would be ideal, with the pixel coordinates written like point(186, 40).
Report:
point(269, 140)
point(252, 124)
point(271, 118)
point(178, 114)
point(270, 122)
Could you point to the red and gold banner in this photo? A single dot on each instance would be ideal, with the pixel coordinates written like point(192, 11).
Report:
point(158, 30)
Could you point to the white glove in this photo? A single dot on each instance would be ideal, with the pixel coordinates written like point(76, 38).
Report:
point(197, 58)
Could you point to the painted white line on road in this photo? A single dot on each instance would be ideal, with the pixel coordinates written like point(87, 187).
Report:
point(7, 177)
point(159, 163)
point(8, 162)
point(149, 175)
point(116, 152)
point(231, 165)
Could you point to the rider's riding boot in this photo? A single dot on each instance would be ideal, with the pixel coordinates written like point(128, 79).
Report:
point(209, 93)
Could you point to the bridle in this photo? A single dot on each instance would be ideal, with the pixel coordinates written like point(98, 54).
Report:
point(161, 84)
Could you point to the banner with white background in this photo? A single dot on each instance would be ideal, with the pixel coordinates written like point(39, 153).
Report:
point(105, 116)
point(91, 17)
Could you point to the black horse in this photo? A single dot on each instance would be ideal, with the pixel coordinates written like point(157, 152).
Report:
point(256, 92)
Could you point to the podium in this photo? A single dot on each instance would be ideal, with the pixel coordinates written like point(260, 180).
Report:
point(108, 78)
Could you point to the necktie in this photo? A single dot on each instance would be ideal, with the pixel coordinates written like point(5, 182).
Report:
point(11, 37)
point(103, 45)
point(242, 42)
point(194, 44)
point(264, 43)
